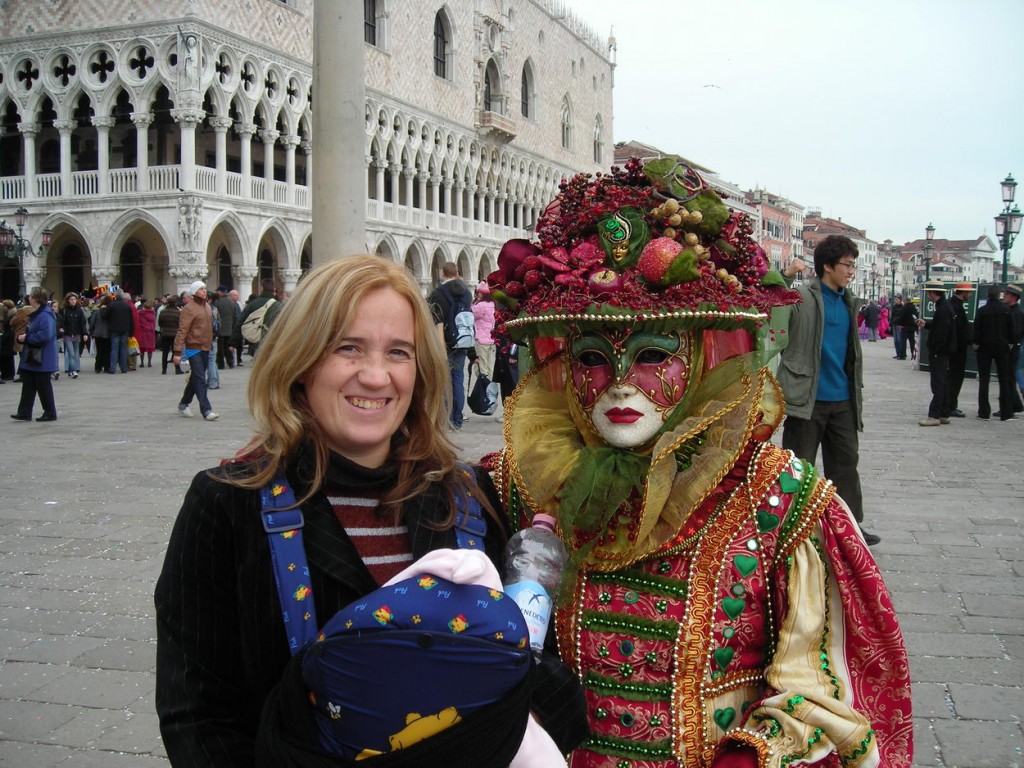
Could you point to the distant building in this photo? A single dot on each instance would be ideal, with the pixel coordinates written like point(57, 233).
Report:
point(871, 269)
point(955, 260)
point(162, 142)
point(782, 223)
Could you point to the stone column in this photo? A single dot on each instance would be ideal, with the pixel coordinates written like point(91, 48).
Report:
point(379, 165)
point(339, 81)
point(269, 138)
point(421, 180)
point(409, 174)
point(290, 142)
point(103, 126)
point(447, 182)
point(244, 277)
point(186, 272)
point(394, 169)
point(502, 202)
point(459, 187)
point(489, 216)
point(307, 149)
point(29, 131)
point(245, 132)
point(187, 120)
point(65, 127)
point(480, 203)
point(290, 279)
point(220, 126)
point(142, 121)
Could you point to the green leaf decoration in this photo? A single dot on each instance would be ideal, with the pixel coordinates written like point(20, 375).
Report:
point(671, 176)
point(744, 564)
point(683, 268)
point(773, 277)
point(724, 717)
point(715, 212)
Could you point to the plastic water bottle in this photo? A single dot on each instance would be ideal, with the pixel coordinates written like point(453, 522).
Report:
point(535, 560)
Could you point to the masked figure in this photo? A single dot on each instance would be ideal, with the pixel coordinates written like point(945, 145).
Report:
point(720, 605)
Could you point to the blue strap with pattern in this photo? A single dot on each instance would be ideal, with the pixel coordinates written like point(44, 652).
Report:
point(288, 555)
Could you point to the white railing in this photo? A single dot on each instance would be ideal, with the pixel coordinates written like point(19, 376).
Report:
point(164, 178)
point(258, 185)
point(85, 183)
point(12, 187)
point(280, 192)
point(123, 180)
point(302, 197)
point(48, 185)
point(234, 186)
point(206, 179)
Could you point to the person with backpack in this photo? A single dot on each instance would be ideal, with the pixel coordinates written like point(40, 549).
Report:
point(257, 317)
point(450, 306)
point(347, 401)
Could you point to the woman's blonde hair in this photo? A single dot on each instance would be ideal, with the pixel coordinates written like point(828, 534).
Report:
point(308, 328)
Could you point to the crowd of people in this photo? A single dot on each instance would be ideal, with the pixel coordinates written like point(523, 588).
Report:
point(121, 333)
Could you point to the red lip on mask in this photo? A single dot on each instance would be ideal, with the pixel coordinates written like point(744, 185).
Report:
point(622, 415)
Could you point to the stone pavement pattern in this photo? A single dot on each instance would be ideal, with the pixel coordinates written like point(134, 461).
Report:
point(88, 503)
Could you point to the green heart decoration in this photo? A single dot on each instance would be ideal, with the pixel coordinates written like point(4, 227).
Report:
point(733, 606)
point(766, 521)
point(723, 656)
point(788, 483)
point(744, 564)
point(724, 717)
point(745, 706)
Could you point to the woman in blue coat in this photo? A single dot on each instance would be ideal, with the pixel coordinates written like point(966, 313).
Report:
point(40, 334)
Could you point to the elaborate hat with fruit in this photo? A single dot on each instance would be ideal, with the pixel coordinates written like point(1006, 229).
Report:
point(647, 244)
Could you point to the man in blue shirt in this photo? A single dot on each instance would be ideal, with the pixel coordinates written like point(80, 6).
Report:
point(821, 371)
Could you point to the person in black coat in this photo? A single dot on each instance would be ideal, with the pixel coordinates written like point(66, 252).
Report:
point(348, 396)
point(958, 357)
point(993, 331)
point(942, 342)
point(121, 325)
point(72, 326)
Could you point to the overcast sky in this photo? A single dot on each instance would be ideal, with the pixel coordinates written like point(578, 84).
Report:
point(890, 114)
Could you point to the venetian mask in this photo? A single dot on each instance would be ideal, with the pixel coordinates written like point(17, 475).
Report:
point(628, 382)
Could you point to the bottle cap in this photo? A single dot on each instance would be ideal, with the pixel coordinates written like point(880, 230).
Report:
point(545, 521)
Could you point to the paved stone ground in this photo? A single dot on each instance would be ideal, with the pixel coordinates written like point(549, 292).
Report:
point(88, 503)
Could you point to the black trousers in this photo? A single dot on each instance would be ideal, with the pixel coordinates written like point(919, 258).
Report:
point(833, 426)
point(986, 356)
point(35, 383)
point(938, 372)
point(102, 355)
point(955, 379)
point(166, 352)
point(224, 357)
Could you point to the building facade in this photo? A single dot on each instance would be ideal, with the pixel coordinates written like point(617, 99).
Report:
point(176, 143)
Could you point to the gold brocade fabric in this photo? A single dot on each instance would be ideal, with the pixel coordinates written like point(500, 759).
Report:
point(544, 442)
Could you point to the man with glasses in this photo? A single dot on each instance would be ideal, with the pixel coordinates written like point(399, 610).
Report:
point(821, 371)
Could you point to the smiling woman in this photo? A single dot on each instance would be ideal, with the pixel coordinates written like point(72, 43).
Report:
point(349, 395)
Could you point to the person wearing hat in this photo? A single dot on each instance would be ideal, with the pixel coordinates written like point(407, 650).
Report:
point(993, 330)
point(941, 345)
point(958, 359)
point(193, 343)
point(1011, 297)
point(719, 605)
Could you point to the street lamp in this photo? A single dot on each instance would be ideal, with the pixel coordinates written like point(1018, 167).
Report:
point(874, 282)
point(929, 234)
point(1008, 222)
point(893, 264)
point(14, 246)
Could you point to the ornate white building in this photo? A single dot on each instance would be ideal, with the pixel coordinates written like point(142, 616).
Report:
point(164, 140)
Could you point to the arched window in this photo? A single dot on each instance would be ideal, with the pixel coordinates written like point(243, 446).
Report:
point(527, 89)
point(492, 89)
point(131, 279)
point(224, 276)
point(266, 265)
point(566, 123)
point(442, 46)
point(598, 130)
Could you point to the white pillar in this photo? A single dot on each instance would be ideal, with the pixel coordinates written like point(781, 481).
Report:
point(245, 132)
point(103, 126)
point(29, 131)
point(187, 120)
point(409, 173)
point(290, 143)
point(307, 149)
point(459, 187)
point(379, 165)
point(220, 127)
point(142, 121)
point(421, 181)
point(65, 127)
point(270, 138)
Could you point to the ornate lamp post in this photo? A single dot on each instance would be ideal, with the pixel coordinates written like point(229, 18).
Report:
point(893, 264)
point(1008, 222)
point(929, 234)
point(14, 246)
